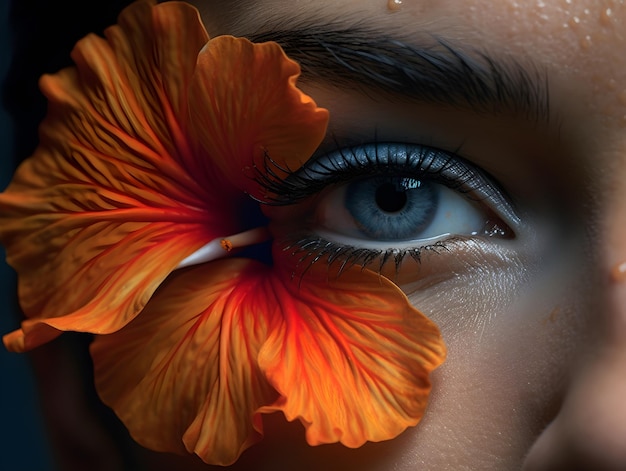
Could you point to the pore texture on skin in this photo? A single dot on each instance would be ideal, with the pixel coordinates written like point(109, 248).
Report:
point(150, 151)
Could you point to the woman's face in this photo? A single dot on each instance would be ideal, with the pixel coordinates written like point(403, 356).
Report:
point(534, 321)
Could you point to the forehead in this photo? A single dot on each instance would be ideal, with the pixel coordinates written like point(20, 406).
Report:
point(579, 26)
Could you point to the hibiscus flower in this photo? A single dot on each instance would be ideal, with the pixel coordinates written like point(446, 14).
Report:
point(125, 223)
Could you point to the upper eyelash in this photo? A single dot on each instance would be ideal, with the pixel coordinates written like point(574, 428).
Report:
point(284, 186)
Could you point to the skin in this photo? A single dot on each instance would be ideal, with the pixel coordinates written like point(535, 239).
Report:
point(536, 325)
point(537, 347)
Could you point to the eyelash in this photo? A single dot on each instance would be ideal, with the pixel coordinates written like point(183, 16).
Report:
point(310, 250)
point(285, 187)
point(309, 180)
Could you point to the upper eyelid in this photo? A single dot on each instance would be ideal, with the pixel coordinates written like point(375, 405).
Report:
point(367, 160)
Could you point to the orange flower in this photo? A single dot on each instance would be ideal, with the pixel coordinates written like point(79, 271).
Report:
point(149, 153)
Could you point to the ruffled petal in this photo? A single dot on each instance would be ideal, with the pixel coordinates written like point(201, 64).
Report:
point(109, 204)
point(351, 358)
point(256, 111)
point(183, 375)
point(101, 275)
point(222, 343)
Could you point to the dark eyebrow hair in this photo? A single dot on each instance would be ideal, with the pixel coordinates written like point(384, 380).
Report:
point(429, 70)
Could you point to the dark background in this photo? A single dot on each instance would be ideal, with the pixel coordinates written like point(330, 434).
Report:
point(23, 445)
point(36, 37)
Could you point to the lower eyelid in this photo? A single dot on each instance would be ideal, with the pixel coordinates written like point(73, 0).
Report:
point(309, 250)
point(381, 245)
point(426, 265)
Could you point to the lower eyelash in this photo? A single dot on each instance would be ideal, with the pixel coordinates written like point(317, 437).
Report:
point(309, 249)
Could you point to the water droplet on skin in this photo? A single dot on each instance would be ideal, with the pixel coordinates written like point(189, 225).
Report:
point(618, 272)
point(606, 17)
point(574, 22)
point(585, 42)
point(394, 5)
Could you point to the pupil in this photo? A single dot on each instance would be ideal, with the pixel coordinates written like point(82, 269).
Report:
point(389, 199)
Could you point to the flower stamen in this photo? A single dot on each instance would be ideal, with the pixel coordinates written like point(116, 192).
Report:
point(220, 247)
point(243, 239)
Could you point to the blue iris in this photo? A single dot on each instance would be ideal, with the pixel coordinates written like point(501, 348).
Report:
point(392, 207)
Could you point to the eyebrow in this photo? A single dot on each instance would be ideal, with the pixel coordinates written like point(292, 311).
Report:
point(429, 70)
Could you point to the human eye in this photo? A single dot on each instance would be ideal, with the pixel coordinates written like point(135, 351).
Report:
point(375, 204)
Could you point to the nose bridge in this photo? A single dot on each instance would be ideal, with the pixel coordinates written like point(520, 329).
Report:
point(589, 432)
point(609, 305)
point(594, 411)
point(592, 423)
point(612, 244)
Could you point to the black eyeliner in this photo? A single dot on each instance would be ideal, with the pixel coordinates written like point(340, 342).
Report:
point(382, 159)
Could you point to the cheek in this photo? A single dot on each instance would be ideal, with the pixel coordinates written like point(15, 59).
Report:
point(511, 335)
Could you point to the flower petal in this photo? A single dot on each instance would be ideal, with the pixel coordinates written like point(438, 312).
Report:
point(108, 204)
point(96, 278)
point(183, 376)
point(351, 359)
point(256, 111)
point(219, 344)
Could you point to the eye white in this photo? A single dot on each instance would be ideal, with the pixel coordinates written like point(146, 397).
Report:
point(454, 215)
